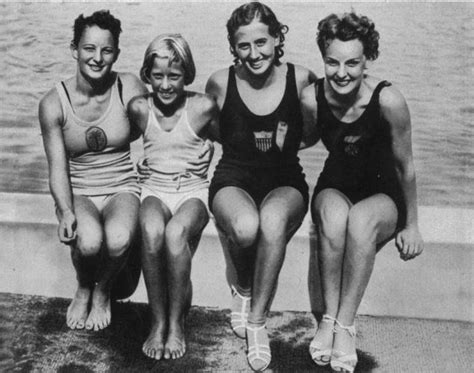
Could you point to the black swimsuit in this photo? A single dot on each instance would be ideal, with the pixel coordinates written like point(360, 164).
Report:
point(260, 151)
point(360, 162)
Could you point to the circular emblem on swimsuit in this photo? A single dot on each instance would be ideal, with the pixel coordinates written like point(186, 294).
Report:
point(96, 139)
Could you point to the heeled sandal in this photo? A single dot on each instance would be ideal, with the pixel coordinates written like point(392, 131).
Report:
point(321, 357)
point(341, 361)
point(238, 319)
point(258, 352)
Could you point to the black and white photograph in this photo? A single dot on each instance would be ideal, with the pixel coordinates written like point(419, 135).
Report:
point(231, 186)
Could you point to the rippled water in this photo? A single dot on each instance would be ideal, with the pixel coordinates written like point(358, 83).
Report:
point(426, 51)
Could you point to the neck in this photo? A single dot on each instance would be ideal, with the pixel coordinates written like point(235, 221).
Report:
point(92, 87)
point(171, 109)
point(259, 81)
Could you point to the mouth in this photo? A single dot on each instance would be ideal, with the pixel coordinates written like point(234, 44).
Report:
point(96, 68)
point(342, 83)
point(166, 95)
point(256, 64)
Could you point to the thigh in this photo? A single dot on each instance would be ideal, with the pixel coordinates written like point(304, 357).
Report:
point(232, 205)
point(283, 208)
point(192, 216)
point(377, 212)
point(89, 226)
point(120, 214)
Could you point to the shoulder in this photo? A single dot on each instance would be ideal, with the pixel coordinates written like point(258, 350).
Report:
point(218, 80)
point(132, 85)
point(303, 77)
point(391, 97)
point(202, 100)
point(138, 105)
point(394, 108)
point(50, 108)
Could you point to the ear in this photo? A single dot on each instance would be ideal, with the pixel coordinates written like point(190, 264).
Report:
point(277, 41)
point(73, 49)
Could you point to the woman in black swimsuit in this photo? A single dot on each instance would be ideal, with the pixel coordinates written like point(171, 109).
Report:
point(366, 193)
point(258, 194)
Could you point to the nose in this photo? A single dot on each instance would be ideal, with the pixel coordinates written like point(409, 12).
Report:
point(98, 55)
point(341, 71)
point(253, 52)
point(165, 84)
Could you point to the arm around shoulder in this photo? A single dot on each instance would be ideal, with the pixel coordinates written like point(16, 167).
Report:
point(304, 77)
point(309, 112)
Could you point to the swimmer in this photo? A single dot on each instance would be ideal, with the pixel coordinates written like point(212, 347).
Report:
point(366, 193)
point(175, 125)
point(86, 136)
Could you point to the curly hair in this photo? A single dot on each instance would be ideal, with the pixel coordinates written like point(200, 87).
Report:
point(349, 26)
point(245, 14)
point(176, 49)
point(101, 18)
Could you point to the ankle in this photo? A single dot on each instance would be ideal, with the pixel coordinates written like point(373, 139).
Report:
point(256, 320)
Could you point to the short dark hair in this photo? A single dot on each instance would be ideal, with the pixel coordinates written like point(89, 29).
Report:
point(245, 14)
point(101, 18)
point(349, 26)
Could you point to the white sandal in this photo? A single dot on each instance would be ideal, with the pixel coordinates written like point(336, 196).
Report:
point(238, 318)
point(342, 361)
point(321, 357)
point(258, 354)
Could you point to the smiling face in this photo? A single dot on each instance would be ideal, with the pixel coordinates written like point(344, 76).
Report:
point(95, 53)
point(255, 47)
point(344, 65)
point(167, 80)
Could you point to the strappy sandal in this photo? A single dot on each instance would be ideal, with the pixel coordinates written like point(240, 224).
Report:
point(258, 353)
point(321, 357)
point(238, 318)
point(341, 361)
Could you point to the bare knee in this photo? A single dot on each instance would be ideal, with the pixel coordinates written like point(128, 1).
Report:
point(153, 234)
point(244, 230)
point(331, 218)
point(118, 241)
point(88, 244)
point(274, 224)
point(362, 230)
point(176, 237)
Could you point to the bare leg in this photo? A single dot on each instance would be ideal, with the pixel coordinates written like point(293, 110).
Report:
point(154, 216)
point(120, 217)
point(331, 210)
point(371, 221)
point(281, 214)
point(187, 223)
point(85, 257)
point(237, 217)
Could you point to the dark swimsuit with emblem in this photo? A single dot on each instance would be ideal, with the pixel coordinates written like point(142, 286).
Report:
point(360, 161)
point(260, 151)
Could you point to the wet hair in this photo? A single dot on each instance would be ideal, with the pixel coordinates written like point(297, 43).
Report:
point(101, 18)
point(245, 14)
point(349, 26)
point(176, 49)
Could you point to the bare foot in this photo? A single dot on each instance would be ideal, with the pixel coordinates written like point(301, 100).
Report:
point(76, 315)
point(154, 345)
point(100, 314)
point(175, 346)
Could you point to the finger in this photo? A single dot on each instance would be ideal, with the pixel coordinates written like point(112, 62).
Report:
point(398, 242)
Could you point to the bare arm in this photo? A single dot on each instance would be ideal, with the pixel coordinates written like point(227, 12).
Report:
point(309, 111)
point(132, 87)
point(395, 111)
point(50, 117)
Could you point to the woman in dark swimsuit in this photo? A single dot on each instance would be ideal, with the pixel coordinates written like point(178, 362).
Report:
point(366, 193)
point(258, 194)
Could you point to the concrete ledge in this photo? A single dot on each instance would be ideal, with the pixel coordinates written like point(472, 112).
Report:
point(438, 284)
